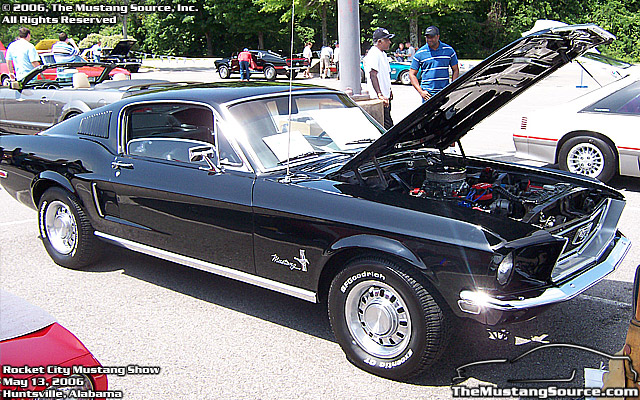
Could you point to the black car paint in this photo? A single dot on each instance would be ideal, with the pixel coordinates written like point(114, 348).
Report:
point(264, 59)
point(259, 223)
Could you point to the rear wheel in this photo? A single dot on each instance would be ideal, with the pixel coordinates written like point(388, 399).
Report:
point(65, 229)
point(5, 80)
point(270, 73)
point(590, 156)
point(224, 72)
point(385, 319)
point(292, 74)
point(363, 78)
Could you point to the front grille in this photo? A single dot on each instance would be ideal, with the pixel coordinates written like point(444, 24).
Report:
point(587, 239)
point(579, 235)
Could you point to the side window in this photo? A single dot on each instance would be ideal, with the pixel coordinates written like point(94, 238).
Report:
point(168, 130)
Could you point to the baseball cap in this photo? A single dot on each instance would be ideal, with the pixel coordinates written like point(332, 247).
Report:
point(432, 31)
point(382, 33)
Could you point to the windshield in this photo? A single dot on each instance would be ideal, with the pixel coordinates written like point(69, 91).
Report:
point(320, 124)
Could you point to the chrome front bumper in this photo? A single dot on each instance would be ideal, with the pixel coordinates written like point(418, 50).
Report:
point(490, 310)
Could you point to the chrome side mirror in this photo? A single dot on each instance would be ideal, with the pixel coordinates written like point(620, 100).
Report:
point(207, 154)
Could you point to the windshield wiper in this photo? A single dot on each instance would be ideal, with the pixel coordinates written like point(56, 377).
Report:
point(303, 155)
point(369, 140)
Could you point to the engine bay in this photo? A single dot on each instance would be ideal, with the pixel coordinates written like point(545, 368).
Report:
point(539, 200)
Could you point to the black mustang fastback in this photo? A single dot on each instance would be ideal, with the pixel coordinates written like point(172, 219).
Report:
point(305, 194)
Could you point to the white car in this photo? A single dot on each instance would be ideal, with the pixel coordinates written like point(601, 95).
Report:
point(593, 135)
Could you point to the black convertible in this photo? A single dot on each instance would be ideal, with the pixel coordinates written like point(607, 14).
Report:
point(305, 194)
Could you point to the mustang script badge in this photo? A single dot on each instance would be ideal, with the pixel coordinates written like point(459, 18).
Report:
point(301, 264)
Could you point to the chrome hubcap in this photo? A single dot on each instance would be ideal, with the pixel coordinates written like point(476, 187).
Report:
point(378, 319)
point(60, 226)
point(585, 159)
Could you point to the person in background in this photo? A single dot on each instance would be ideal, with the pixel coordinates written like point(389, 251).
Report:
point(96, 51)
point(411, 51)
point(308, 55)
point(336, 59)
point(326, 53)
point(400, 53)
point(378, 72)
point(65, 49)
point(21, 55)
point(434, 59)
point(244, 59)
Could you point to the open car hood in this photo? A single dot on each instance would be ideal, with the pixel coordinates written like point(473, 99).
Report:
point(471, 98)
point(123, 47)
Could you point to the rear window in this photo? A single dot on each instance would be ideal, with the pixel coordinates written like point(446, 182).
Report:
point(624, 101)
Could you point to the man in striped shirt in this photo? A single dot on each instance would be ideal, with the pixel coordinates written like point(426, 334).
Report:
point(434, 59)
point(65, 49)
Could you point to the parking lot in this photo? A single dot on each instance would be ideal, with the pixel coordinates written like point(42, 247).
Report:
point(216, 338)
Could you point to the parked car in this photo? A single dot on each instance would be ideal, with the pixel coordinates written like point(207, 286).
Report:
point(49, 94)
point(91, 69)
point(590, 135)
point(303, 193)
point(268, 63)
point(4, 70)
point(399, 72)
point(36, 353)
point(122, 56)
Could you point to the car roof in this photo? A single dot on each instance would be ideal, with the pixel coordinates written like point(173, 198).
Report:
point(219, 93)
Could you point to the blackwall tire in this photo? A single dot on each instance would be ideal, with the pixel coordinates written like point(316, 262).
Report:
point(224, 72)
point(590, 156)
point(385, 319)
point(65, 230)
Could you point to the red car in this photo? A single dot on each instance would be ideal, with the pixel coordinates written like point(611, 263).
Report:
point(40, 357)
point(91, 71)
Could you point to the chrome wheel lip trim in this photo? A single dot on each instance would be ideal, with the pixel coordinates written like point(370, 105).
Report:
point(61, 227)
point(364, 335)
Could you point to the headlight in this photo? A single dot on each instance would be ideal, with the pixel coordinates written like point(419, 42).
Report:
point(505, 269)
point(77, 382)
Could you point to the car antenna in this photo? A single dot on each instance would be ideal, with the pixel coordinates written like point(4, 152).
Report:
point(287, 178)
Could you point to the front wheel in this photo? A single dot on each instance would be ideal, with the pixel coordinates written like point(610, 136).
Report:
point(385, 319)
point(65, 229)
point(404, 78)
point(270, 73)
point(590, 156)
point(224, 72)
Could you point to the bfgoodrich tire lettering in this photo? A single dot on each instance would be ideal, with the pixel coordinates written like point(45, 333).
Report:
point(65, 230)
point(385, 319)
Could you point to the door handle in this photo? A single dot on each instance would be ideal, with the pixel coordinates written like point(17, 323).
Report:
point(120, 164)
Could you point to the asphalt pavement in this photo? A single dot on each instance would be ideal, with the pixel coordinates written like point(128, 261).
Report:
point(216, 338)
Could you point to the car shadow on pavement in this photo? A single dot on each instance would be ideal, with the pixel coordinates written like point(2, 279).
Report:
point(592, 319)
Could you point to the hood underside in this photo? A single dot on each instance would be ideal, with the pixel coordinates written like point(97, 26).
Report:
point(450, 114)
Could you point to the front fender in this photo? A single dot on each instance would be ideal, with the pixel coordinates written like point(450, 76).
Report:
point(379, 243)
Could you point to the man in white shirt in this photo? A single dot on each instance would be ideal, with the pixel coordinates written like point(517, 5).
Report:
point(378, 72)
point(21, 55)
point(326, 53)
point(308, 55)
point(336, 59)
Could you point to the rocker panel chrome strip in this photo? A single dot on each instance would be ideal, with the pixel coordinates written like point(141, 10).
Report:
point(212, 268)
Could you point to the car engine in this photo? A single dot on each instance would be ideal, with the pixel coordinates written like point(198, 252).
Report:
point(545, 203)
